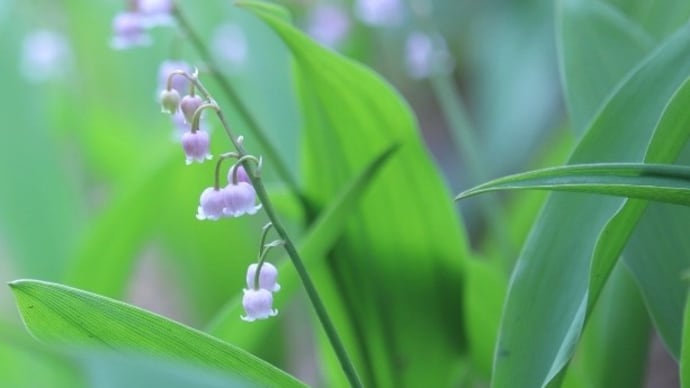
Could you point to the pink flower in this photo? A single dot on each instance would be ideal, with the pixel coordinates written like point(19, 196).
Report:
point(196, 146)
point(239, 200)
point(241, 174)
point(258, 304)
point(189, 105)
point(211, 204)
point(267, 277)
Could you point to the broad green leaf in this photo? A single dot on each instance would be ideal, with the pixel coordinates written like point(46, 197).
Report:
point(685, 351)
point(485, 291)
point(396, 270)
point(63, 315)
point(548, 298)
point(588, 29)
point(659, 19)
point(615, 342)
point(320, 238)
point(664, 303)
point(658, 254)
point(656, 182)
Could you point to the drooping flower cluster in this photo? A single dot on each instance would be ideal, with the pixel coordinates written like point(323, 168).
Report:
point(186, 111)
point(234, 200)
point(130, 27)
point(257, 300)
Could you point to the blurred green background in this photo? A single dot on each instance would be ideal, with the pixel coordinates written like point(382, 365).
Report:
point(95, 193)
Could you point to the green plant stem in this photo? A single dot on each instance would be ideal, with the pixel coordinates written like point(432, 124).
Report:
point(313, 295)
point(269, 149)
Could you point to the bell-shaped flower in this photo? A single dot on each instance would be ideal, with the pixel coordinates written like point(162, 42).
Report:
point(241, 174)
point(258, 304)
point(268, 277)
point(240, 199)
point(189, 104)
point(128, 31)
point(170, 101)
point(196, 146)
point(211, 204)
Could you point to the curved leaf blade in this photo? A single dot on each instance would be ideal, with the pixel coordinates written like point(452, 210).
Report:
point(60, 314)
point(656, 182)
point(547, 301)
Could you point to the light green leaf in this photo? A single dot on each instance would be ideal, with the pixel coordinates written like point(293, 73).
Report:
point(59, 314)
point(384, 290)
point(548, 298)
point(656, 182)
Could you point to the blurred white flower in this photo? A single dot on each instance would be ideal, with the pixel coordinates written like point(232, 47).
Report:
point(426, 55)
point(46, 55)
point(328, 24)
point(179, 83)
point(379, 13)
point(155, 12)
point(129, 31)
point(229, 45)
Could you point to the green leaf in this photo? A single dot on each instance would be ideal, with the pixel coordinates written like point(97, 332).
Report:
point(59, 314)
point(548, 299)
point(685, 351)
point(399, 261)
point(588, 30)
point(614, 347)
point(659, 19)
point(656, 182)
point(320, 238)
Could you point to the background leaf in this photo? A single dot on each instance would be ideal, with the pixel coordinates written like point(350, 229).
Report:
point(351, 115)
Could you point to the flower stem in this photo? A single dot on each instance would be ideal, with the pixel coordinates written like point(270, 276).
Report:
point(269, 149)
point(309, 287)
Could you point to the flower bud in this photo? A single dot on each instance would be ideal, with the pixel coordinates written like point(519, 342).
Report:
point(211, 204)
point(241, 174)
point(258, 304)
point(189, 105)
point(196, 146)
point(239, 200)
point(170, 100)
point(267, 277)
